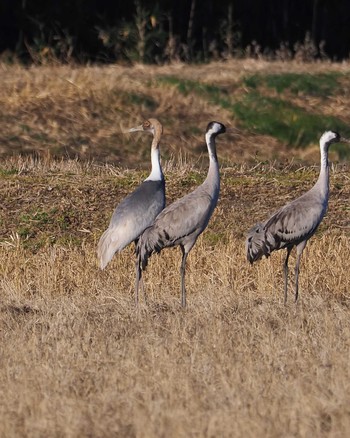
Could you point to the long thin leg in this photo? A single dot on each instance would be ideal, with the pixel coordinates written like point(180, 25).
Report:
point(143, 290)
point(300, 249)
point(138, 279)
point(289, 249)
point(182, 270)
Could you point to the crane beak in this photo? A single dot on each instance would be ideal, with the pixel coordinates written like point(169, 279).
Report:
point(344, 140)
point(137, 128)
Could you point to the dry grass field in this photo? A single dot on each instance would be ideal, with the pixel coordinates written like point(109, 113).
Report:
point(76, 358)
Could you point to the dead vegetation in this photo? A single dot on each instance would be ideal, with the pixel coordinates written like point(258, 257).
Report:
point(69, 112)
point(78, 360)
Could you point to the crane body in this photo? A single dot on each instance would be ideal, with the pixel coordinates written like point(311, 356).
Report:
point(182, 222)
point(138, 210)
point(294, 224)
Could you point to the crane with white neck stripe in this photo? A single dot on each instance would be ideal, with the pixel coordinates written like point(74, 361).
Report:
point(138, 210)
point(183, 221)
point(294, 224)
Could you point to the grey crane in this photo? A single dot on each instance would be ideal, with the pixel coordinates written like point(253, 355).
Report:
point(294, 224)
point(183, 221)
point(138, 210)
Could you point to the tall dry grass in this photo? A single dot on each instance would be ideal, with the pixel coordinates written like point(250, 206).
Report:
point(76, 358)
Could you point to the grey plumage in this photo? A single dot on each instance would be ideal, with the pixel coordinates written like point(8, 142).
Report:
point(294, 224)
point(139, 209)
point(183, 221)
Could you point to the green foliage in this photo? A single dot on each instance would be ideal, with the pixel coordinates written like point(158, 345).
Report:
point(280, 119)
point(38, 227)
point(31, 222)
point(37, 217)
point(8, 171)
point(213, 237)
point(274, 116)
point(186, 86)
point(142, 100)
point(213, 93)
point(321, 85)
point(35, 221)
point(191, 179)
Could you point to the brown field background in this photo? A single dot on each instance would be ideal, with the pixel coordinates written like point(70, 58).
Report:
point(76, 358)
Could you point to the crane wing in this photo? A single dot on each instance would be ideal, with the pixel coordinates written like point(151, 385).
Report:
point(131, 217)
point(180, 223)
point(188, 215)
point(295, 222)
point(141, 207)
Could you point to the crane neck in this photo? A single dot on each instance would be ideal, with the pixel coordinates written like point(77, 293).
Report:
point(323, 179)
point(213, 176)
point(210, 140)
point(156, 172)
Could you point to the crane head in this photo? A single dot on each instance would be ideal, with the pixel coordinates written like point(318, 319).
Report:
point(215, 128)
point(150, 125)
point(330, 137)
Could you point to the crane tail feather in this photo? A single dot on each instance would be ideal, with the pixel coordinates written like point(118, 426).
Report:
point(107, 247)
point(259, 243)
point(148, 244)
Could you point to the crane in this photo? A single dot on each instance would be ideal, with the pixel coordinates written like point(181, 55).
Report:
point(294, 224)
point(138, 210)
point(184, 220)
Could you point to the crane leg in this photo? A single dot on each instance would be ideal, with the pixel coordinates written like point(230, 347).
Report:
point(300, 249)
point(297, 277)
point(138, 279)
point(286, 274)
point(182, 270)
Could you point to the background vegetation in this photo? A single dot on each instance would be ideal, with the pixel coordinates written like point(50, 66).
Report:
point(150, 31)
point(76, 358)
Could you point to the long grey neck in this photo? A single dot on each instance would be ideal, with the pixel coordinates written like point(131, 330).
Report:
point(213, 177)
point(323, 179)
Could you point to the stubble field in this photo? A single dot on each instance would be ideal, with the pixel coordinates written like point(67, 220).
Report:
point(76, 358)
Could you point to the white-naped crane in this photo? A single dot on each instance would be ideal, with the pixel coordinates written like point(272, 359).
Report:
point(183, 221)
point(294, 224)
point(139, 209)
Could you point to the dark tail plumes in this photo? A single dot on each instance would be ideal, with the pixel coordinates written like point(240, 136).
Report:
point(145, 247)
point(259, 243)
